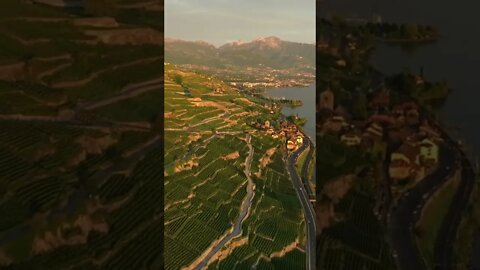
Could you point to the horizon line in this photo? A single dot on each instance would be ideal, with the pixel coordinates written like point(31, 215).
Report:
point(233, 41)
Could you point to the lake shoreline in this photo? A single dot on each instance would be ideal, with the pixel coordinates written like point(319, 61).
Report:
point(306, 111)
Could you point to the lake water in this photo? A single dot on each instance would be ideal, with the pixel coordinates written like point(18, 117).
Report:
point(307, 110)
point(454, 58)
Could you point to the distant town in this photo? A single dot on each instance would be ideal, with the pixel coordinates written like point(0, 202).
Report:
point(264, 77)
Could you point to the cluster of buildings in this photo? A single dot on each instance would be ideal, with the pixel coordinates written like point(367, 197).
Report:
point(273, 78)
point(283, 130)
point(258, 77)
point(415, 142)
point(273, 84)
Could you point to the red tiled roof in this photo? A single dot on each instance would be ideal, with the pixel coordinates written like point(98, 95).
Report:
point(382, 98)
point(406, 106)
point(382, 118)
point(409, 150)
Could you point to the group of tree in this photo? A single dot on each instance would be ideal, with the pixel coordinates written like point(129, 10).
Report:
point(406, 31)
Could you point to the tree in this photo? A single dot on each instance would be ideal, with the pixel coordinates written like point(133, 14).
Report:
point(360, 106)
point(178, 79)
point(410, 30)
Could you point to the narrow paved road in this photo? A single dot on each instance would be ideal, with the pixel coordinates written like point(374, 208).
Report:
point(405, 215)
point(244, 210)
point(306, 166)
point(444, 246)
point(306, 205)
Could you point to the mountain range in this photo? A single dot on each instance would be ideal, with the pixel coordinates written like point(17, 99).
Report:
point(269, 52)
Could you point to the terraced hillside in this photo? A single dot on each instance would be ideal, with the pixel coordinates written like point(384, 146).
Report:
point(217, 169)
point(80, 149)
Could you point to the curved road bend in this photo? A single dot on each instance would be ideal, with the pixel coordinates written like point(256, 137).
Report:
point(245, 208)
point(306, 205)
point(405, 215)
point(307, 165)
point(444, 247)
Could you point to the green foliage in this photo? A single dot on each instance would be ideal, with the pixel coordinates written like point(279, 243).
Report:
point(409, 30)
point(335, 159)
point(178, 79)
point(360, 106)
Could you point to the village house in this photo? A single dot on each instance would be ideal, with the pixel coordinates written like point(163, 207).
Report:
point(382, 119)
point(342, 111)
point(292, 128)
point(403, 108)
point(326, 100)
point(381, 99)
point(299, 140)
point(374, 131)
point(419, 79)
point(405, 162)
point(400, 134)
point(335, 124)
point(341, 63)
point(427, 130)
point(429, 152)
point(291, 145)
point(412, 117)
point(398, 110)
point(351, 139)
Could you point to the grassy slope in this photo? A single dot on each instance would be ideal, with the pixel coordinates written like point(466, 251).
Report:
point(432, 217)
point(276, 212)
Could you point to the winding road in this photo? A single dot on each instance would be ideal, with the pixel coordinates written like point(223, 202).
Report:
point(406, 213)
point(306, 205)
point(244, 210)
point(403, 218)
point(444, 246)
point(306, 166)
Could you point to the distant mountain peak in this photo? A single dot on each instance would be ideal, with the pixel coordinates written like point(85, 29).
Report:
point(268, 39)
point(271, 41)
point(262, 42)
point(233, 43)
point(202, 42)
point(169, 39)
point(267, 51)
point(237, 42)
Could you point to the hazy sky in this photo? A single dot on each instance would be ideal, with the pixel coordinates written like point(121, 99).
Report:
point(222, 21)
